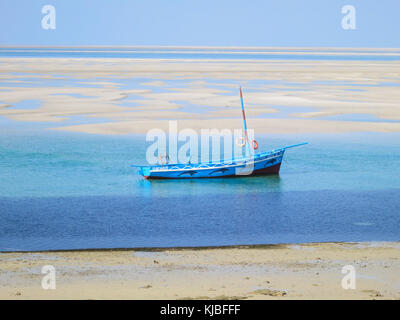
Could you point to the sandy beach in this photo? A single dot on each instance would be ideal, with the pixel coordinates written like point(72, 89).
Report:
point(303, 271)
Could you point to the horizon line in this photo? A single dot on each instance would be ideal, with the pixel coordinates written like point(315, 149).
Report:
point(333, 48)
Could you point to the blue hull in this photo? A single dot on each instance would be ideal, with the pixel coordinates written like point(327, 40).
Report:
point(260, 164)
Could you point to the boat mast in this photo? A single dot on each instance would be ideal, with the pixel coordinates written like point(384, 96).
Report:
point(244, 121)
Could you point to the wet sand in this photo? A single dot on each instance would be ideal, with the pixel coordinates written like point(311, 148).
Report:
point(122, 96)
point(304, 271)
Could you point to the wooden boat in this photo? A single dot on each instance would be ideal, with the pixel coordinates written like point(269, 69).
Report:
point(264, 163)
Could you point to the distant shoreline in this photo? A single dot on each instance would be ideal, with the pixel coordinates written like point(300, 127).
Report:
point(197, 47)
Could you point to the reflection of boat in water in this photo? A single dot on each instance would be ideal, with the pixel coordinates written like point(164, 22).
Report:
point(264, 163)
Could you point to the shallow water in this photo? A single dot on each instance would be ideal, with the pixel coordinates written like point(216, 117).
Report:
point(67, 190)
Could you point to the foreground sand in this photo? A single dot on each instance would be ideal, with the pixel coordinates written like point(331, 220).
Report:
point(307, 271)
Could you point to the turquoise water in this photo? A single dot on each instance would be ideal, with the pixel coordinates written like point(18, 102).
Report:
point(67, 190)
point(39, 162)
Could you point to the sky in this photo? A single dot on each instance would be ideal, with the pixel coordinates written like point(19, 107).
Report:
point(286, 23)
